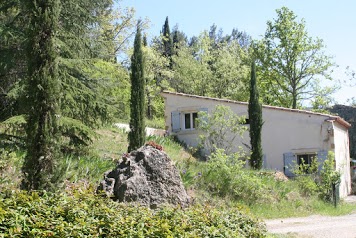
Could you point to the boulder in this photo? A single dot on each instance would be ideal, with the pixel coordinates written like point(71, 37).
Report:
point(146, 176)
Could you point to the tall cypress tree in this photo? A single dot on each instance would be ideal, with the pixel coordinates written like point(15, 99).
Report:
point(255, 118)
point(167, 41)
point(137, 104)
point(42, 91)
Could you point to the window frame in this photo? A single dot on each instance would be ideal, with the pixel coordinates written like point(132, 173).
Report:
point(310, 158)
point(193, 115)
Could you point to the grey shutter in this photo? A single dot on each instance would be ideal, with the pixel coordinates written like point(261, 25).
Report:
point(175, 121)
point(289, 163)
point(322, 156)
point(264, 164)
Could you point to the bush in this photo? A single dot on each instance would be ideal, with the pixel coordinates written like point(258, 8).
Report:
point(328, 177)
point(307, 185)
point(83, 214)
point(225, 175)
point(311, 181)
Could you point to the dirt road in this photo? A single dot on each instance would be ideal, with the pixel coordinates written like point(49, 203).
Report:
point(315, 226)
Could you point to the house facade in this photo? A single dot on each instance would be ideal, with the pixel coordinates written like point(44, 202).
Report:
point(289, 136)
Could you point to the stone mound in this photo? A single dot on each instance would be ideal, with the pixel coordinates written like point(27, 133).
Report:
point(146, 176)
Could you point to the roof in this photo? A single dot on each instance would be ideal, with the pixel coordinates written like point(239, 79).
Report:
point(337, 119)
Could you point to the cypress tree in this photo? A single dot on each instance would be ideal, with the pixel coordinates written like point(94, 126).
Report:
point(167, 42)
point(137, 103)
point(255, 118)
point(42, 89)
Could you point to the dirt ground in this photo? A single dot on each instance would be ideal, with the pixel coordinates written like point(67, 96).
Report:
point(316, 226)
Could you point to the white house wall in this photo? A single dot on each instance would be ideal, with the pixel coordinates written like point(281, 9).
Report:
point(186, 104)
point(284, 131)
point(342, 158)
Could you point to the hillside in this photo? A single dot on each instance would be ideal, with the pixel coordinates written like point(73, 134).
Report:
point(218, 191)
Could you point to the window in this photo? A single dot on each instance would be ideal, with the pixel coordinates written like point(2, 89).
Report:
point(185, 120)
point(190, 120)
point(305, 162)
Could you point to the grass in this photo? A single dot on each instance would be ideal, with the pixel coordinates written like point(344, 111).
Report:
point(110, 144)
point(281, 199)
point(284, 198)
point(305, 207)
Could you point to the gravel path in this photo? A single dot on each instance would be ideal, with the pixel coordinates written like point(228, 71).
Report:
point(315, 226)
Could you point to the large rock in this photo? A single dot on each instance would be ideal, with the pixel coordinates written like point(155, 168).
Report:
point(146, 176)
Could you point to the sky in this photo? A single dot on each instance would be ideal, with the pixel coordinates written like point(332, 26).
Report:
point(332, 21)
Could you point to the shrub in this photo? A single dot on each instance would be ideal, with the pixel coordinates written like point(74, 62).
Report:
point(307, 185)
point(225, 175)
point(83, 214)
point(328, 177)
point(222, 129)
point(311, 181)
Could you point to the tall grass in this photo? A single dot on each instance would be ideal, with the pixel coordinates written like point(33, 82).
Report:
point(90, 169)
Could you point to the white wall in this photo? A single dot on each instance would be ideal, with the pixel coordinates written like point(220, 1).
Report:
point(342, 158)
point(283, 131)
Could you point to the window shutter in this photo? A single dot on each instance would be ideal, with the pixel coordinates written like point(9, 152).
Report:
point(289, 163)
point(264, 159)
point(322, 156)
point(175, 121)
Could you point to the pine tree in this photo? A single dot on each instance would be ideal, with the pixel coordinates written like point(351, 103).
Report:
point(255, 118)
point(137, 104)
point(42, 92)
point(82, 79)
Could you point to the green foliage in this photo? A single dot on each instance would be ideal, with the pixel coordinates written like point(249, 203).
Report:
point(156, 122)
point(290, 61)
point(42, 90)
point(136, 135)
point(15, 125)
point(80, 213)
point(208, 64)
point(255, 119)
point(167, 41)
point(307, 185)
point(77, 135)
point(87, 168)
point(306, 169)
point(311, 181)
point(329, 177)
point(10, 166)
point(225, 176)
point(190, 75)
point(307, 177)
point(93, 89)
point(221, 129)
point(157, 72)
point(83, 93)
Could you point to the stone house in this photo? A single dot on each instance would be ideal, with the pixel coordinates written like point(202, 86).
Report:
point(289, 136)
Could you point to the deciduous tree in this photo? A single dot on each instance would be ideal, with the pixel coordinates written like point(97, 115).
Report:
point(290, 60)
